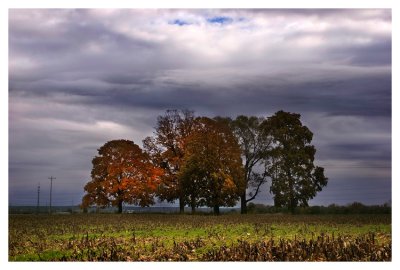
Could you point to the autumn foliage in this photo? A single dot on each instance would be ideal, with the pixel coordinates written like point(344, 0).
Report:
point(122, 173)
point(167, 151)
point(214, 162)
point(212, 171)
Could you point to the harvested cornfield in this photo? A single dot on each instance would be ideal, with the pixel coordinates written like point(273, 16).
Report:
point(161, 237)
point(323, 248)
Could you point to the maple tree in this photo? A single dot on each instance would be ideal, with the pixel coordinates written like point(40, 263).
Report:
point(167, 150)
point(295, 178)
point(122, 173)
point(212, 171)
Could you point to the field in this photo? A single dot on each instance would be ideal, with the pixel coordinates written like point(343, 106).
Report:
point(172, 237)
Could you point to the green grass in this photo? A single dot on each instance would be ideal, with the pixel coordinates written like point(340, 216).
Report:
point(162, 237)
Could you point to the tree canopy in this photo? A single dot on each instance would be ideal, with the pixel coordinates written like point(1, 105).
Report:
point(122, 173)
point(167, 150)
point(295, 178)
point(253, 134)
point(198, 162)
point(212, 171)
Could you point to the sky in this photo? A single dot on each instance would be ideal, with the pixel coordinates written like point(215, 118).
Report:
point(79, 78)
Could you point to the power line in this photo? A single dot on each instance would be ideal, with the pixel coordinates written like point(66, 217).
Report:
point(38, 196)
point(51, 188)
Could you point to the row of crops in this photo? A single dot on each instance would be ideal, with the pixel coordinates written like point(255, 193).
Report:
point(157, 237)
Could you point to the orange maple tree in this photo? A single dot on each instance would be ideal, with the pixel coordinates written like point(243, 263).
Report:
point(122, 173)
point(167, 150)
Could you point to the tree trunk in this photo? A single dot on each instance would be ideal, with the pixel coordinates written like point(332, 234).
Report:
point(292, 208)
point(291, 194)
point(243, 204)
point(193, 204)
point(181, 206)
point(119, 207)
point(216, 210)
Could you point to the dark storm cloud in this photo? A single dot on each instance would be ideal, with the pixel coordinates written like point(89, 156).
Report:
point(361, 151)
point(364, 96)
point(78, 78)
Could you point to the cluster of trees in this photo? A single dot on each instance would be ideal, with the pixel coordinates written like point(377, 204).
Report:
point(351, 209)
point(214, 162)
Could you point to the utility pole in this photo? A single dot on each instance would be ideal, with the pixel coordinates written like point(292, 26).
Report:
point(51, 188)
point(38, 196)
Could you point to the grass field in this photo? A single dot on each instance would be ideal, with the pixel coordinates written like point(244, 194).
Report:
point(171, 237)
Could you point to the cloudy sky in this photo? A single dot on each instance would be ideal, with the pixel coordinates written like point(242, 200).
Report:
point(79, 78)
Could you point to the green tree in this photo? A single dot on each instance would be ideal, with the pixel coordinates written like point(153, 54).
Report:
point(212, 172)
point(295, 178)
point(167, 150)
point(253, 134)
point(122, 173)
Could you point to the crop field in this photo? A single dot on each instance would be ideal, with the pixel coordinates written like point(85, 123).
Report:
point(172, 237)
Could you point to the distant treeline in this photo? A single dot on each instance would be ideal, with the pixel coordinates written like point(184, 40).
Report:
point(353, 208)
point(43, 209)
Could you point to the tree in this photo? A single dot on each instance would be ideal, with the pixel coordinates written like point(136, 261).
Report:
point(253, 134)
point(295, 179)
point(167, 149)
point(122, 173)
point(212, 171)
